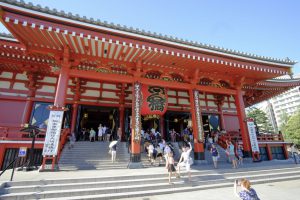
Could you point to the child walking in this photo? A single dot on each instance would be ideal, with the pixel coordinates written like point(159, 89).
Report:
point(170, 166)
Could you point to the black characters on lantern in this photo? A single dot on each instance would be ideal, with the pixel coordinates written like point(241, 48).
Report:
point(157, 99)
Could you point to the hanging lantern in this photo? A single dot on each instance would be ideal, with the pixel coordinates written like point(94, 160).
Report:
point(154, 101)
point(85, 115)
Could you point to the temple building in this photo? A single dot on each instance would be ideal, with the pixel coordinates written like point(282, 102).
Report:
point(98, 72)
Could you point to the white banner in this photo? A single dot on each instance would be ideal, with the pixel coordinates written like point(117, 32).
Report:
point(53, 133)
point(252, 136)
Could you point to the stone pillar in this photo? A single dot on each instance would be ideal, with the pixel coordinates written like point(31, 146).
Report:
point(135, 157)
point(197, 126)
point(240, 108)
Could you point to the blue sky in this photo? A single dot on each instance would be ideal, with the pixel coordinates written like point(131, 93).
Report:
point(267, 28)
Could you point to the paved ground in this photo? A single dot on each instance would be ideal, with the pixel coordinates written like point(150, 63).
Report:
point(288, 190)
point(225, 167)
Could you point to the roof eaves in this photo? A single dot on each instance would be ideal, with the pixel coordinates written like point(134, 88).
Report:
point(98, 22)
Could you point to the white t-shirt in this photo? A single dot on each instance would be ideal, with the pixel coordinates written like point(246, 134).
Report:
point(100, 131)
point(103, 129)
point(150, 148)
point(167, 150)
point(186, 155)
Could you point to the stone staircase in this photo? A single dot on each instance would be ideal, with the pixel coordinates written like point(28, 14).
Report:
point(93, 155)
point(129, 186)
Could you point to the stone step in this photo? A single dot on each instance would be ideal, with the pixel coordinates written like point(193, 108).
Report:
point(148, 186)
point(188, 188)
point(93, 155)
point(225, 173)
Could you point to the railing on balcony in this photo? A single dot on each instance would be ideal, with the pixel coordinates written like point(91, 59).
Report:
point(236, 136)
point(14, 133)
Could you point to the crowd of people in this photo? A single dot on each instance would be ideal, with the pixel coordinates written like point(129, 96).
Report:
point(103, 133)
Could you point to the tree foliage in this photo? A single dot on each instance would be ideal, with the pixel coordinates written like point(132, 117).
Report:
point(284, 119)
point(261, 120)
point(292, 128)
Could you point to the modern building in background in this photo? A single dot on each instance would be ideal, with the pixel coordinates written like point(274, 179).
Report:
point(269, 110)
point(286, 104)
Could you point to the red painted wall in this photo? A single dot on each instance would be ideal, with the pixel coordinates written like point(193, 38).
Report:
point(11, 112)
point(231, 123)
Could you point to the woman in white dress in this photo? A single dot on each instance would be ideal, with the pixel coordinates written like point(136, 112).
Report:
point(100, 132)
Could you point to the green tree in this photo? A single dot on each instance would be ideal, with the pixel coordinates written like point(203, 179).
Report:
point(292, 128)
point(261, 120)
point(284, 118)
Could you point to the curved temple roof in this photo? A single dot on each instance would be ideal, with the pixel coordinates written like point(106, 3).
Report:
point(209, 48)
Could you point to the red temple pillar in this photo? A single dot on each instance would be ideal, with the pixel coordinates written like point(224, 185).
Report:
point(121, 125)
point(59, 101)
point(62, 85)
point(74, 116)
point(27, 110)
point(269, 152)
point(75, 104)
point(220, 110)
point(135, 157)
point(32, 86)
point(2, 152)
point(240, 108)
point(197, 125)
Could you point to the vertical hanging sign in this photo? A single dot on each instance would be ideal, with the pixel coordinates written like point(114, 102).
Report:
point(137, 111)
point(53, 133)
point(252, 135)
point(198, 115)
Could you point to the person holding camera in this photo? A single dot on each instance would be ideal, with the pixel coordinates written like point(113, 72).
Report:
point(247, 193)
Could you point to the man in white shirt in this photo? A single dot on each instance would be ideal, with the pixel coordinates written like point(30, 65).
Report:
point(185, 160)
point(150, 153)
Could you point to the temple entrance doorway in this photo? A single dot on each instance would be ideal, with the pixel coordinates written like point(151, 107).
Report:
point(177, 121)
point(211, 123)
point(150, 123)
point(90, 117)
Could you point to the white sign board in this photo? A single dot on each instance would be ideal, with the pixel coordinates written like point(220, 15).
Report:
point(53, 133)
point(252, 136)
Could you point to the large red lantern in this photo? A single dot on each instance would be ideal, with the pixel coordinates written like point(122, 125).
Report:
point(155, 100)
